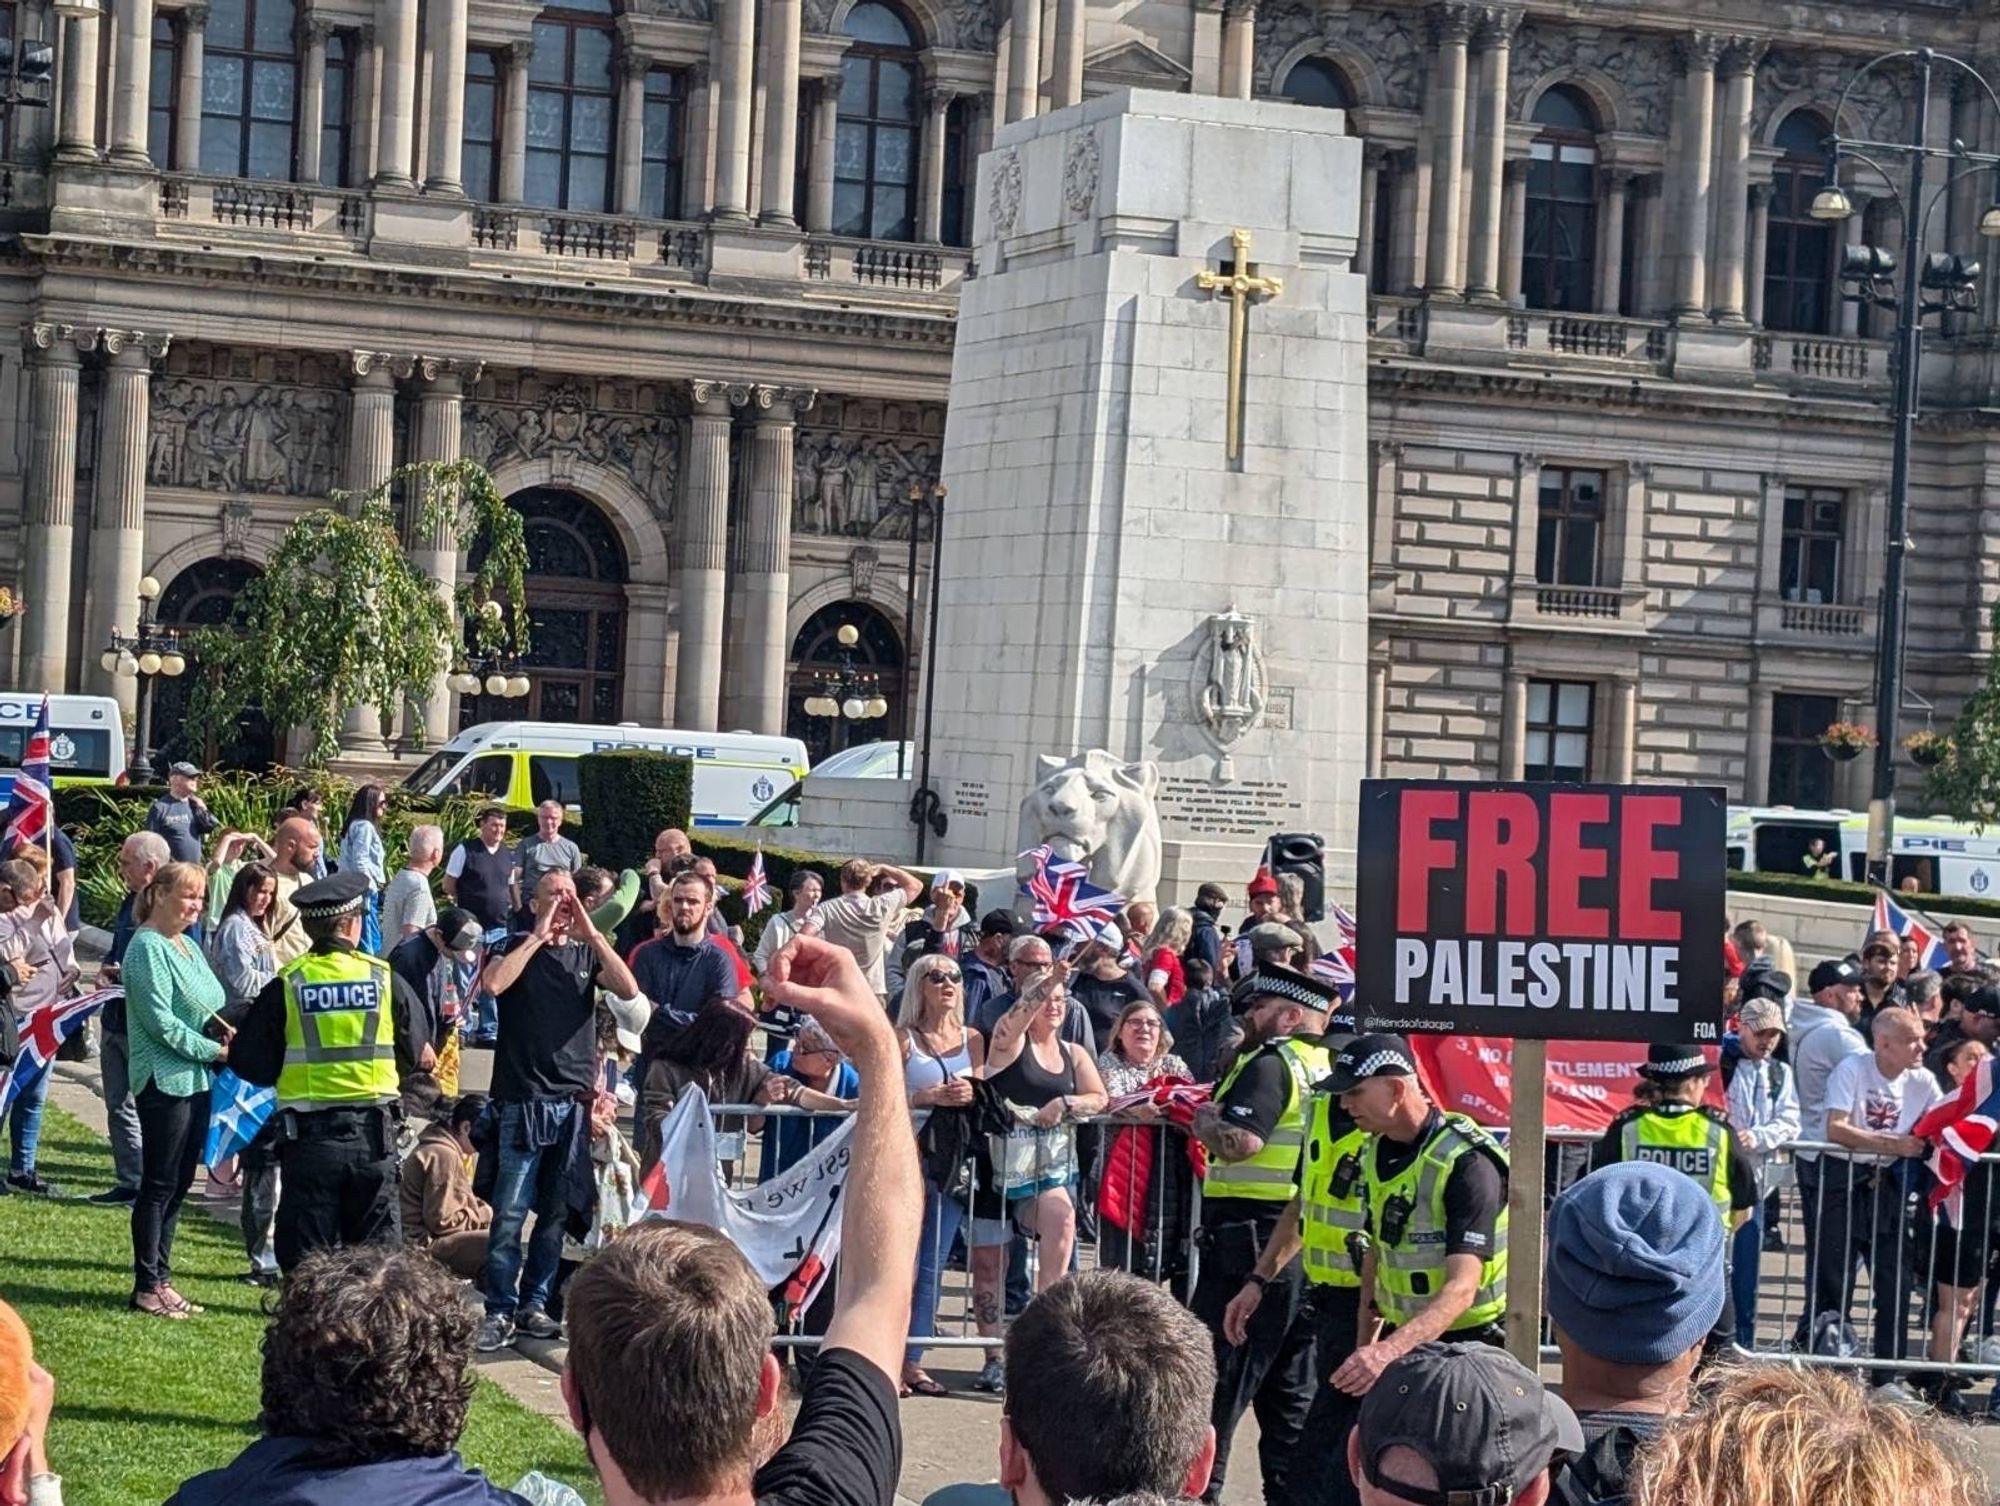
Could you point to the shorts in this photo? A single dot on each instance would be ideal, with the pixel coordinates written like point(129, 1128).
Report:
point(989, 1233)
point(1960, 1257)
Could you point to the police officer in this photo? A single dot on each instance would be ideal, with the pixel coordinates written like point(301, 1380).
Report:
point(328, 1032)
point(1254, 1128)
point(1669, 1125)
point(1435, 1188)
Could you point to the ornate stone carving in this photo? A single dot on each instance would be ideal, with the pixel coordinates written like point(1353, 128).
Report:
point(684, 10)
point(1097, 809)
point(1385, 40)
point(967, 25)
point(1080, 173)
point(1229, 676)
point(1878, 108)
point(234, 518)
point(1741, 55)
point(851, 475)
point(1004, 206)
point(117, 341)
point(1451, 21)
point(1637, 65)
point(1696, 50)
point(861, 567)
point(565, 419)
point(263, 438)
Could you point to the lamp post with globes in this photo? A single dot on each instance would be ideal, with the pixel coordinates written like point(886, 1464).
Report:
point(1940, 283)
point(846, 691)
point(145, 655)
point(497, 675)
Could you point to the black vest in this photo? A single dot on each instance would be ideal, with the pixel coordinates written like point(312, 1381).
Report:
point(482, 882)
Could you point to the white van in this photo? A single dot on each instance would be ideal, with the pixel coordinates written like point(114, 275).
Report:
point(521, 764)
point(86, 738)
point(1943, 856)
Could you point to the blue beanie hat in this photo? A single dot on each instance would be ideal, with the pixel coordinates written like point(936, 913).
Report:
point(1635, 1266)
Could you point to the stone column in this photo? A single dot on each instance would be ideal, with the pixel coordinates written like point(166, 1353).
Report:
point(1451, 25)
point(631, 185)
point(1732, 212)
point(131, 96)
point(1239, 48)
point(440, 415)
point(700, 558)
point(698, 169)
point(1696, 55)
point(313, 30)
point(1406, 246)
point(1378, 718)
point(366, 108)
point(514, 125)
point(1760, 252)
point(781, 113)
point(1757, 752)
point(1516, 235)
point(735, 57)
point(118, 514)
point(78, 136)
point(1066, 88)
point(446, 153)
point(1489, 150)
point(1624, 729)
point(765, 586)
point(187, 90)
point(819, 169)
point(371, 455)
point(930, 176)
point(396, 133)
point(1514, 725)
point(1024, 59)
point(1615, 187)
point(49, 539)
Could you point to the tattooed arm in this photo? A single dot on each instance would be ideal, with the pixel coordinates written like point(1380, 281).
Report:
point(1226, 1142)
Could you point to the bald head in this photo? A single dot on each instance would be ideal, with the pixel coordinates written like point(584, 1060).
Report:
point(296, 846)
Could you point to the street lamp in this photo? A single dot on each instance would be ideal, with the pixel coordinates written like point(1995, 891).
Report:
point(1937, 284)
point(490, 673)
point(148, 654)
point(926, 809)
point(846, 690)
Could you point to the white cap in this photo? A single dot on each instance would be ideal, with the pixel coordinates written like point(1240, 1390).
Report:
point(631, 1015)
point(945, 877)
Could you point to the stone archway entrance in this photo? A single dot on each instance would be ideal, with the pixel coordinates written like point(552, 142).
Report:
point(204, 596)
point(817, 652)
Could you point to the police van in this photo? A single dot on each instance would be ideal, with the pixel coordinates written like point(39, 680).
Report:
point(1943, 856)
point(521, 764)
point(86, 738)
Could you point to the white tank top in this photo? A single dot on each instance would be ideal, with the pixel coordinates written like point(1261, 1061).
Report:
point(923, 1070)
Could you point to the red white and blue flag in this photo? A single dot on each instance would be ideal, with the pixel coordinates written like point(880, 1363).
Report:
point(1062, 893)
point(756, 887)
point(1890, 916)
point(31, 808)
point(43, 1031)
point(1961, 1129)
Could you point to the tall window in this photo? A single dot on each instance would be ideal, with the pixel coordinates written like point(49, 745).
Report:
point(1558, 734)
point(572, 107)
point(956, 224)
point(1315, 81)
point(660, 152)
point(875, 151)
point(1798, 256)
point(1809, 558)
point(336, 121)
point(249, 89)
point(480, 159)
point(162, 99)
point(1559, 253)
point(1569, 535)
point(1800, 772)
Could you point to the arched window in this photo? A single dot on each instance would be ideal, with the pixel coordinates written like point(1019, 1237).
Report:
point(1315, 81)
point(206, 595)
point(875, 152)
point(572, 108)
point(823, 665)
point(1798, 255)
point(249, 89)
point(1559, 253)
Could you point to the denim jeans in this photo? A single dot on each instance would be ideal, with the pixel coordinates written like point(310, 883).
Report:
point(1744, 1259)
point(485, 1021)
point(114, 1063)
point(528, 1181)
point(942, 1216)
point(24, 1126)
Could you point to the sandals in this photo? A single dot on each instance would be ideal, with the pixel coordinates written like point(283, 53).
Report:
point(922, 1385)
point(157, 1305)
point(180, 1303)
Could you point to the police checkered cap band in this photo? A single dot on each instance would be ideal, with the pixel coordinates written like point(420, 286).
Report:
point(1379, 1062)
point(331, 909)
point(1295, 989)
point(1680, 1065)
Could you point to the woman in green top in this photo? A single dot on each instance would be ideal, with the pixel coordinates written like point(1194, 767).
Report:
point(170, 995)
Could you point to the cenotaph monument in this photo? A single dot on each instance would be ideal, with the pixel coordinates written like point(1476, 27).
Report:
point(1154, 580)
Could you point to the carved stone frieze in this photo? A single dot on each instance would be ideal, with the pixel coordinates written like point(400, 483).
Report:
point(246, 422)
point(631, 428)
point(1393, 50)
point(851, 476)
point(1639, 68)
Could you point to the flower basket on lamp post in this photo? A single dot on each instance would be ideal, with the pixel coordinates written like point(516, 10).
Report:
point(1927, 749)
point(1844, 742)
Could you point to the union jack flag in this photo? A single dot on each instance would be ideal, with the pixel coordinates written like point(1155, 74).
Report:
point(31, 808)
point(756, 888)
point(1062, 892)
point(43, 1031)
point(1961, 1128)
point(1890, 916)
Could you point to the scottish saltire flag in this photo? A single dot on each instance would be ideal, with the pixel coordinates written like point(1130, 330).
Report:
point(1062, 893)
point(1961, 1129)
point(236, 1111)
point(31, 808)
point(1890, 916)
point(43, 1031)
point(756, 888)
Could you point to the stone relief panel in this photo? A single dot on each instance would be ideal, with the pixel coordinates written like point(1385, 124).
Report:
point(679, 10)
point(968, 25)
point(853, 467)
point(1639, 66)
point(1878, 108)
point(265, 423)
point(1385, 40)
point(625, 426)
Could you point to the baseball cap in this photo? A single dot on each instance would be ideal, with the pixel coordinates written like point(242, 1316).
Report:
point(1836, 972)
point(1983, 1000)
point(1635, 1263)
point(999, 923)
point(1882, 940)
point(185, 769)
point(1759, 1014)
point(630, 1016)
point(1670, 1062)
point(459, 928)
point(1369, 1056)
point(1263, 883)
point(947, 878)
point(1482, 1420)
point(1764, 982)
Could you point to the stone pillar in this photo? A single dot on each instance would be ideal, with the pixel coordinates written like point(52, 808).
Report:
point(514, 125)
point(49, 539)
point(79, 85)
point(1406, 246)
point(1732, 212)
point(366, 109)
point(819, 169)
point(1650, 293)
point(446, 154)
point(187, 90)
point(1757, 753)
point(1696, 55)
point(1372, 157)
point(131, 96)
point(371, 455)
point(1515, 243)
point(1024, 59)
point(765, 586)
point(735, 57)
point(1514, 725)
point(1451, 25)
point(1615, 187)
point(313, 31)
point(701, 560)
point(1760, 253)
point(781, 113)
point(440, 415)
point(1239, 48)
point(1072, 21)
point(1854, 231)
point(930, 176)
point(118, 514)
point(1624, 729)
point(631, 184)
point(396, 132)
point(698, 170)
point(1489, 151)
point(1378, 717)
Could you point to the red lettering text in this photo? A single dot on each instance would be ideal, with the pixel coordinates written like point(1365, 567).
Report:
point(1502, 831)
point(1641, 864)
point(1422, 855)
point(1571, 861)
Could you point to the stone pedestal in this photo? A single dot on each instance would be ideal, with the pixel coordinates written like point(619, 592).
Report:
point(1111, 576)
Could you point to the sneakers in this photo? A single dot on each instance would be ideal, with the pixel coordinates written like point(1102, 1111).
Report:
point(112, 1197)
point(1900, 1394)
point(992, 1379)
point(533, 1323)
point(496, 1332)
point(28, 1181)
point(1774, 1242)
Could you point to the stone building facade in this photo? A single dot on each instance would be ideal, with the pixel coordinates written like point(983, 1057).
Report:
point(682, 274)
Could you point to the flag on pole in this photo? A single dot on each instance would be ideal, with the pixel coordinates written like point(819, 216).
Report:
point(1890, 916)
point(31, 808)
point(756, 888)
point(1062, 893)
point(236, 1112)
point(43, 1031)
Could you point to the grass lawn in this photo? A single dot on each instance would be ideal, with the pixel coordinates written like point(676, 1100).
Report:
point(142, 1404)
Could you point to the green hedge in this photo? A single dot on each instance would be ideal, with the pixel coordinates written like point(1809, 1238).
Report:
point(628, 795)
point(1840, 892)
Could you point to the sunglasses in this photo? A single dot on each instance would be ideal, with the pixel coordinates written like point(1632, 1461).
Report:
point(944, 975)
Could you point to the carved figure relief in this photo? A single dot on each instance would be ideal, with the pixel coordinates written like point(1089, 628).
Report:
point(225, 436)
point(1098, 809)
point(1384, 39)
point(528, 418)
point(1229, 676)
point(1878, 108)
point(851, 478)
point(1637, 65)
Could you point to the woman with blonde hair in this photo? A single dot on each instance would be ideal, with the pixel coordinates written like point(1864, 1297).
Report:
point(1165, 980)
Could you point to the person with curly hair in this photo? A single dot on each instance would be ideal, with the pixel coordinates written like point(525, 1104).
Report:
point(367, 1380)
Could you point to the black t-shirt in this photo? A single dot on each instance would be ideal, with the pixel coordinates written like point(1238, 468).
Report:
point(1254, 1103)
point(1475, 1194)
point(548, 1024)
point(1103, 998)
point(846, 1447)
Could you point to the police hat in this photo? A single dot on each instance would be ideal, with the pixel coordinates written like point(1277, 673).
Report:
point(1274, 982)
point(338, 894)
point(1365, 1057)
point(1673, 1063)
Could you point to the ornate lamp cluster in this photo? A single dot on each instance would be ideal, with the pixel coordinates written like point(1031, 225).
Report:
point(847, 690)
point(496, 674)
point(144, 655)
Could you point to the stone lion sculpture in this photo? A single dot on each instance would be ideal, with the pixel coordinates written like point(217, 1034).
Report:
point(1098, 809)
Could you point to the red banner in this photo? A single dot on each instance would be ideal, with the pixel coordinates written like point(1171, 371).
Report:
point(1589, 1082)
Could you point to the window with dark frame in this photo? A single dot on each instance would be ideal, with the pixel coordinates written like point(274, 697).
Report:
point(875, 141)
point(1809, 562)
point(479, 150)
point(1317, 82)
point(955, 224)
point(661, 147)
point(1801, 774)
point(336, 122)
point(1560, 718)
point(1559, 249)
point(1799, 250)
point(1569, 533)
point(10, 32)
point(572, 108)
point(163, 103)
point(250, 90)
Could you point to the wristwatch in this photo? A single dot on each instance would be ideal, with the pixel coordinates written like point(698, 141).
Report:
point(1261, 1282)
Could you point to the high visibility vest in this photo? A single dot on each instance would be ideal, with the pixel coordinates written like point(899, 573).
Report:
point(1689, 1142)
point(1409, 1267)
point(1271, 1174)
point(1332, 1226)
point(340, 1042)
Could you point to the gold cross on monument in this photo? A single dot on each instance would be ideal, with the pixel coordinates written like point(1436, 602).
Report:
point(1239, 286)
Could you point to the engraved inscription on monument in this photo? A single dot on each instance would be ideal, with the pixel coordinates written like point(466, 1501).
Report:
point(1240, 808)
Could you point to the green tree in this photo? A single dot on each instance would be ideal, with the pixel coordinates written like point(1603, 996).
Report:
point(1965, 783)
point(343, 617)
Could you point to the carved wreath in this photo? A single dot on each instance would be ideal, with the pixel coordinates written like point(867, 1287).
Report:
point(1004, 205)
point(1080, 172)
